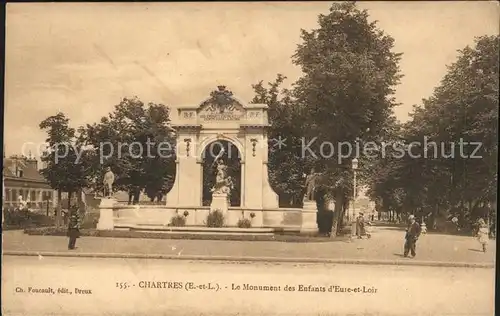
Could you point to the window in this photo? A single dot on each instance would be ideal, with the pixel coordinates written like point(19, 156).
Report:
point(33, 196)
point(20, 173)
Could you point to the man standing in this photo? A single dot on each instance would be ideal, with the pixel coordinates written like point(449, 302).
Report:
point(412, 233)
point(73, 228)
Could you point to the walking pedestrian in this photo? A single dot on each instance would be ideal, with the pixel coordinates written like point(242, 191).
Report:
point(360, 225)
point(73, 228)
point(412, 233)
point(482, 233)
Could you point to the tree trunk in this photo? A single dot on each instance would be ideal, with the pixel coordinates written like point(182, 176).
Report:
point(58, 208)
point(70, 195)
point(339, 203)
point(82, 204)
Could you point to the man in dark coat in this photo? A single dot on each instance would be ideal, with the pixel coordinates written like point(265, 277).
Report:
point(412, 233)
point(73, 228)
point(360, 225)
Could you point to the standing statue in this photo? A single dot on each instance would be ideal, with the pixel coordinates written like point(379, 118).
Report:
point(109, 179)
point(221, 171)
point(311, 181)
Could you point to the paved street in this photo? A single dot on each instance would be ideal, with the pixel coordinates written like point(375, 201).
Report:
point(389, 290)
point(386, 244)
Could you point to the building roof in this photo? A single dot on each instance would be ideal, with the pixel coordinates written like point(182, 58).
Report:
point(29, 167)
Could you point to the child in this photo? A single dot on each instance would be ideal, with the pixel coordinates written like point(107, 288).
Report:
point(369, 229)
point(423, 227)
point(73, 228)
point(482, 233)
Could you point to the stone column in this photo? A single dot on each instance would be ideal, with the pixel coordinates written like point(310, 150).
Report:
point(220, 202)
point(242, 181)
point(106, 216)
point(309, 215)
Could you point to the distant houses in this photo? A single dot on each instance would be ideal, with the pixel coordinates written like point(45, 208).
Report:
point(22, 178)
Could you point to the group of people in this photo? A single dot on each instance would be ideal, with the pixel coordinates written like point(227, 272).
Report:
point(414, 230)
point(362, 227)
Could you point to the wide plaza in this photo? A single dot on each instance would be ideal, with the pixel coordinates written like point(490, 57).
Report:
point(386, 244)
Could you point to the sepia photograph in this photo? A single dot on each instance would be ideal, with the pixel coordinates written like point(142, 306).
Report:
point(250, 158)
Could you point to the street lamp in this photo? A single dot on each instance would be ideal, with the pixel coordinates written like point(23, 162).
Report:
point(353, 219)
point(354, 169)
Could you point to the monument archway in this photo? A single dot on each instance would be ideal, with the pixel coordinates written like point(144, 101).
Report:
point(222, 117)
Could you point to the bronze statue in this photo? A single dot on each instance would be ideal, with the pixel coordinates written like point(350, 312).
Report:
point(311, 181)
point(109, 179)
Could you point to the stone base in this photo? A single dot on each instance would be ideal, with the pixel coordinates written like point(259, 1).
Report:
point(309, 216)
point(107, 202)
point(106, 219)
point(220, 202)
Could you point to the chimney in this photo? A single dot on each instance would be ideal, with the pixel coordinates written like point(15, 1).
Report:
point(32, 161)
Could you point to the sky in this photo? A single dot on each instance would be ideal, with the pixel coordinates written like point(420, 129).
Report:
point(83, 58)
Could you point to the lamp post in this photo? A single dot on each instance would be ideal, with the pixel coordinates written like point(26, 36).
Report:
point(353, 218)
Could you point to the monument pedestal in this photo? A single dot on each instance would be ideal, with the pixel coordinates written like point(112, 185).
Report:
point(309, 215)
point(220, 202)
point(106, 221)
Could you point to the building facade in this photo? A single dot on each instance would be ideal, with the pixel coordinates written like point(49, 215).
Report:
point(22, 178)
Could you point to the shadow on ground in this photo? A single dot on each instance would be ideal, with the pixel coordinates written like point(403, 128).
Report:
point(475, 250)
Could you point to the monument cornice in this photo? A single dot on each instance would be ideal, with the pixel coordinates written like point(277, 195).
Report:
point(254, 125)
point(186, 126)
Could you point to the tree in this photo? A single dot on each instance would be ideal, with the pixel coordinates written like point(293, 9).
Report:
point(462, 110)
point(346, 92)
point(286, 166)
point(137, 142)
point(65, 169)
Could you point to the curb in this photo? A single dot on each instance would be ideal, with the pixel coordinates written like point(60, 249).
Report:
point(409, 262)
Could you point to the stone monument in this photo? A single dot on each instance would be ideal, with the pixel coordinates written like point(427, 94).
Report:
point(106, 221)
point(310, 209)
point(222, 117)
point(221, 191)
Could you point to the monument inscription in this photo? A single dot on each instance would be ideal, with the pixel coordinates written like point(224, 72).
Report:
point(217, 116)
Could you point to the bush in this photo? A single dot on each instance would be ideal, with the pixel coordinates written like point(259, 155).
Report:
point(26, 218)
point(46, 231)
point(244, 223)
point(52, 231)
point(324, 220)
point(90, 220)
point(215, 219)
point(178, 221)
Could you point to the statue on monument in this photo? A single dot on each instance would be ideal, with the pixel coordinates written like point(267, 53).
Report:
point(311, 182)
point(223, 183)
point(109, 179)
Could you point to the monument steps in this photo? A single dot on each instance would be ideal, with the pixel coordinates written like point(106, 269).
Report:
point(205, 233)
point(195, 229)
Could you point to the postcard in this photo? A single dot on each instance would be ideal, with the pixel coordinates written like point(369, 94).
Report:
point(252, 158)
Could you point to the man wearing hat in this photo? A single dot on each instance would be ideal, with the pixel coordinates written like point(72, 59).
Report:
point(73, 228)
point(412, 233)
